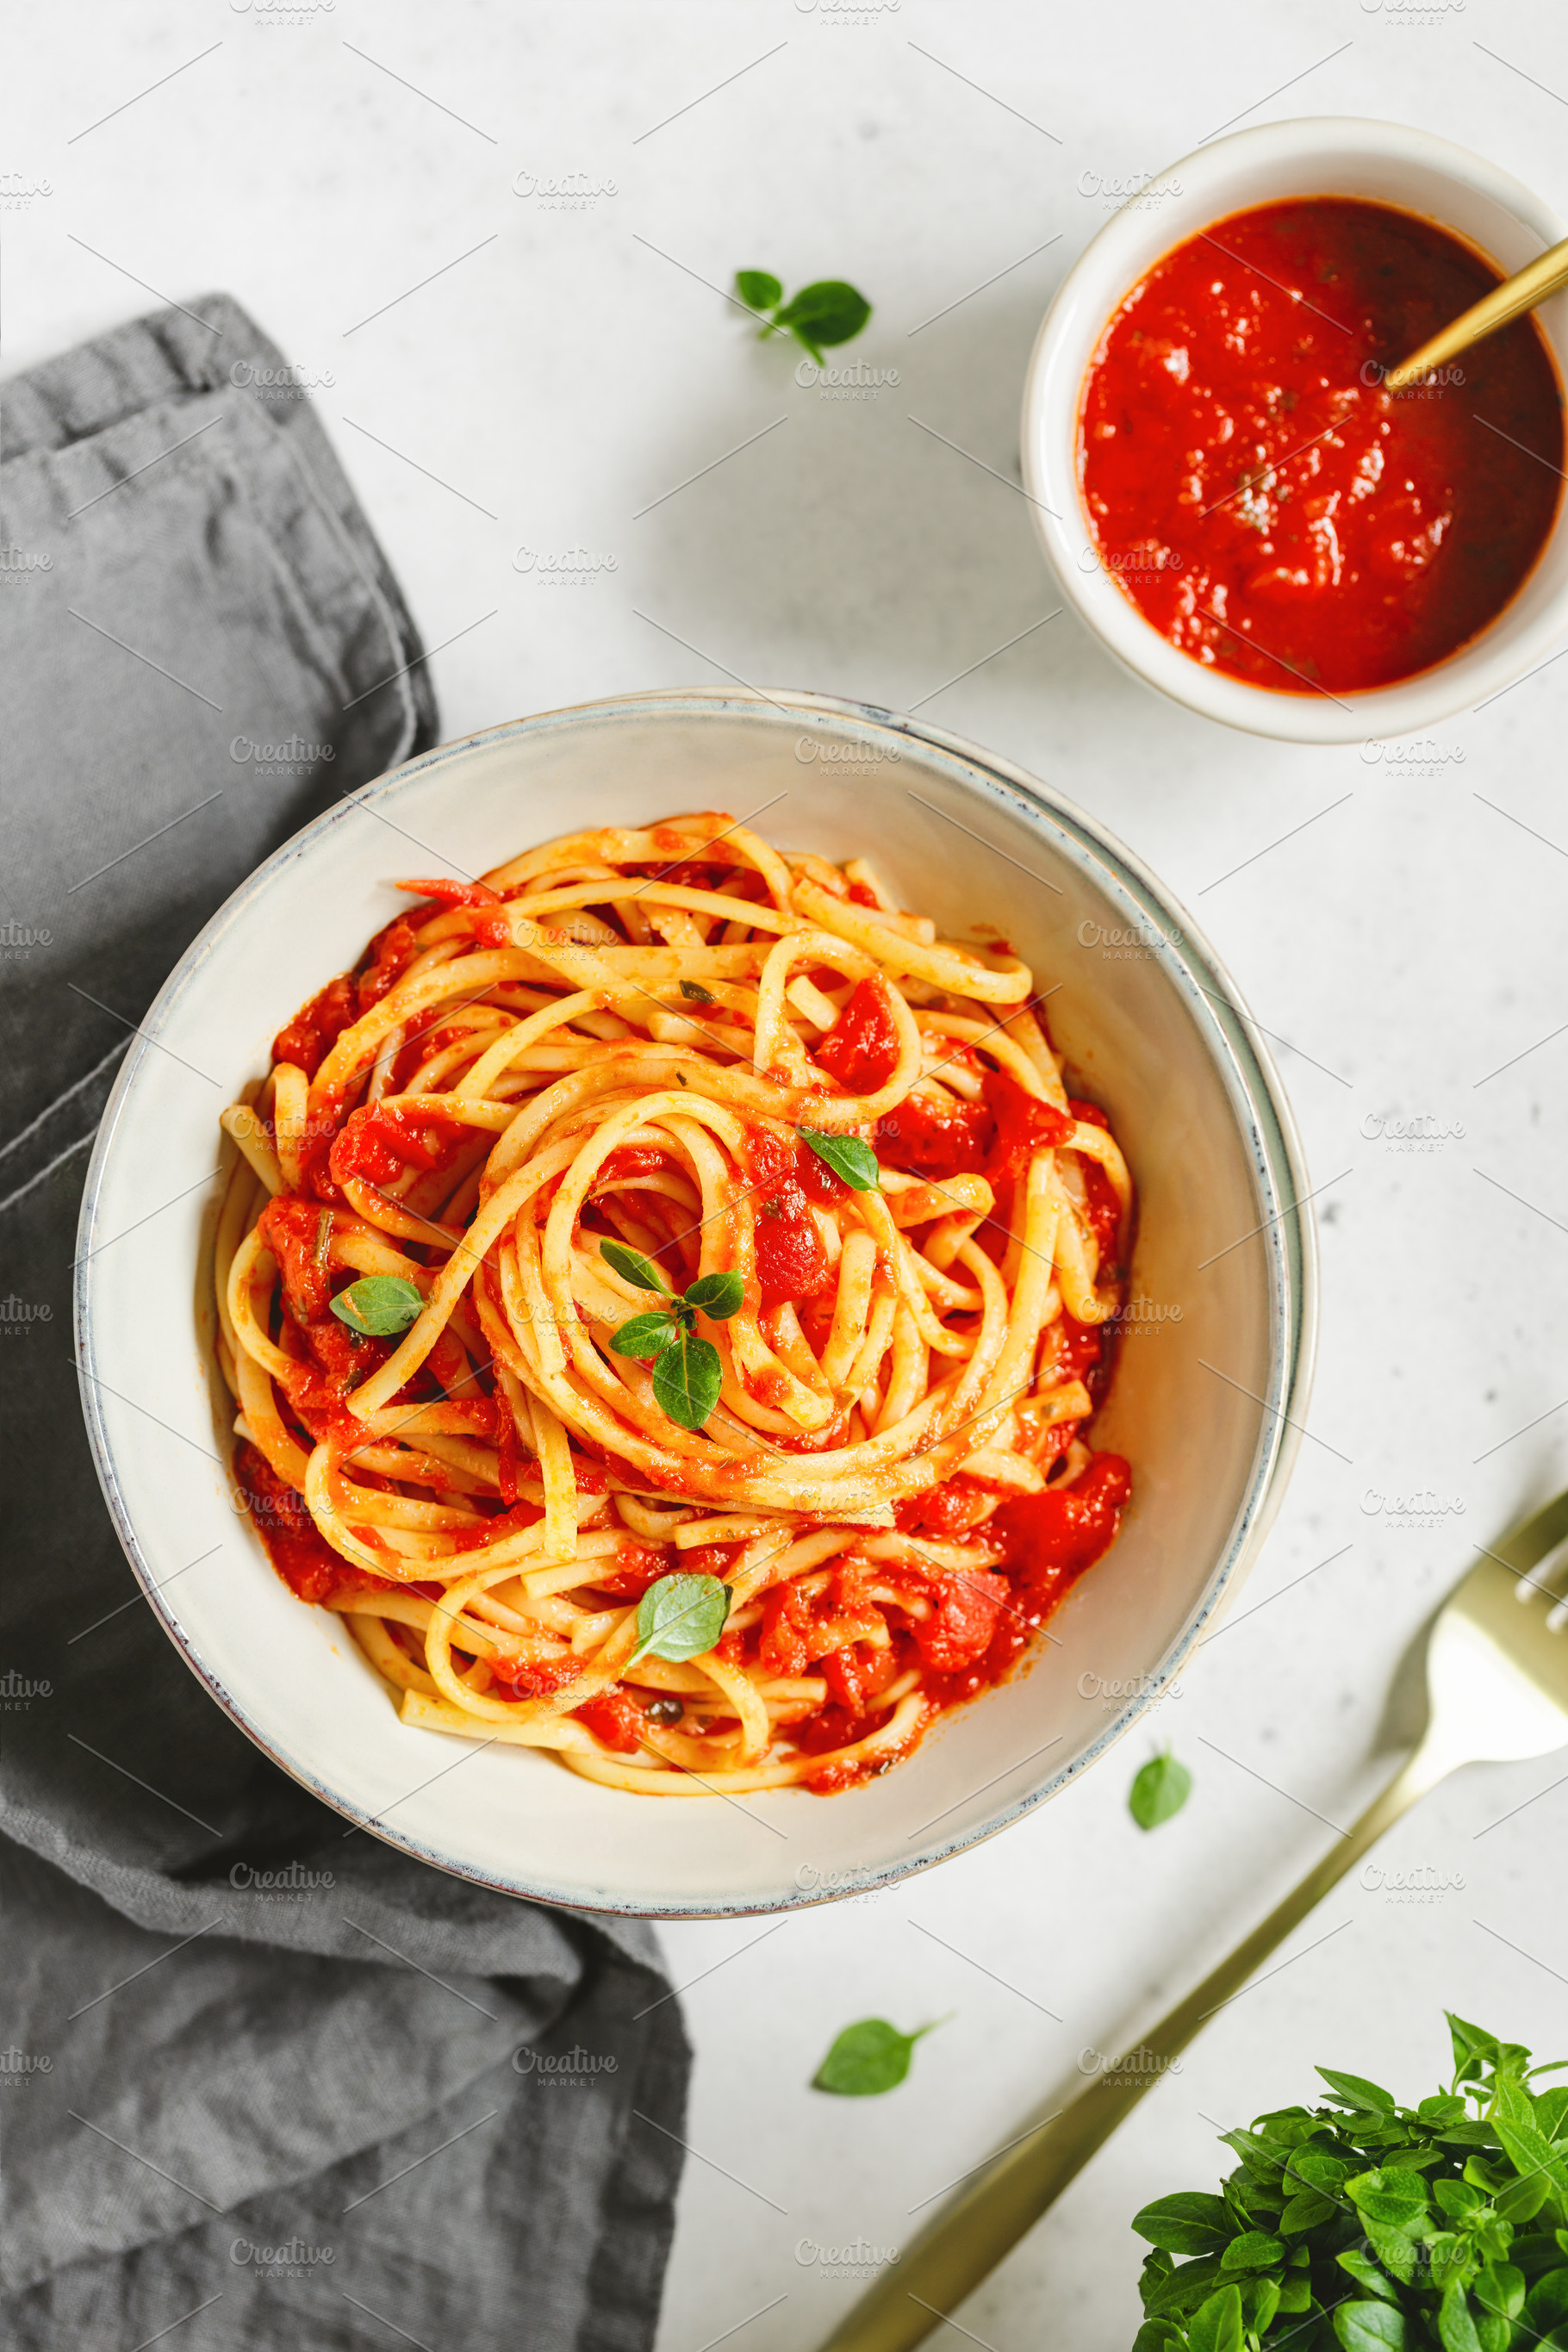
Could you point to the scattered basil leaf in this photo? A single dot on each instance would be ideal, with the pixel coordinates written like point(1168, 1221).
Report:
point(827, 311)
point(867, 2058)
point(635, 1268)
point(687, 1380)
point(759, 289)
point(850, 1157)
point(695, 994)
point(379, 1305)
point(1159, 1791)
point(717, 1294)
point(646, 1335)
point(681, 1617)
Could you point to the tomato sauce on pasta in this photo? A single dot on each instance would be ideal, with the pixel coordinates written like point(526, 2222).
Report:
point(659, 1049)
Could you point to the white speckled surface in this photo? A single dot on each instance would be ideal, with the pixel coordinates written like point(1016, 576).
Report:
point(1407, 940)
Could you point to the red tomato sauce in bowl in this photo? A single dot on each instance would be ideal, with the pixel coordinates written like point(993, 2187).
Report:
point(1268, 506)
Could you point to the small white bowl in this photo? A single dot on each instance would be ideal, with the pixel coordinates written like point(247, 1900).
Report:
point(1150, 1023)
point(1327, 155)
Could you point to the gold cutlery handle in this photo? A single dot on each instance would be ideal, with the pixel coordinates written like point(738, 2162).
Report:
point(966, 2241)
point(1522, 291)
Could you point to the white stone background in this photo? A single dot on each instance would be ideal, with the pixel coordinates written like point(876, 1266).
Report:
point(1409, 939)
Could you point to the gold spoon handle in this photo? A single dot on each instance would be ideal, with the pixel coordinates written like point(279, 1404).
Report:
point(1522, 291)
point(949, 2260)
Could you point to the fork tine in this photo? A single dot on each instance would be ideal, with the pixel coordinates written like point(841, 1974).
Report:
point(1532, 1542)
point(1549, 1578)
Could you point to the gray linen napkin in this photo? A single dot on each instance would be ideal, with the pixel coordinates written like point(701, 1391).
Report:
point(266, 2082)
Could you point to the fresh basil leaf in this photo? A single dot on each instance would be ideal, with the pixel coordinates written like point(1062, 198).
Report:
point(1159, 2335)
point(687, 1380)
point(1443, 2108)
point(1551, 2112)
point(1366, 2274)
point(1456, 2328)
point(1186, 2288)
point(1190, 2222)
point(1324, 2173)
point(1474, 2047)
point(1356, 2091)
point(850, 1157)
point(1512, 2101)
point(1259, 2302)
point(633, 1266)
point(1370, 2327)
point(1529, 2151)
point(1522, 2199)
point(645, 1335)
point(1388, 2195)
point(1458, 2199)
point(1449, 2256)
point(681, 1617)
point(759, 291)
point(827, 311)
point(867, 2059)
point(1215, 2325)
point(1306, 2211)
point(1546, 2305)
point(1395, 2250)
point(1159, 1791)
point(1255, 2203)
point(378, 1304)
point(1259, 2158)
point(718, 1296)
point(1255, 2250)
point(1291, 2125)
point(1501, 2288)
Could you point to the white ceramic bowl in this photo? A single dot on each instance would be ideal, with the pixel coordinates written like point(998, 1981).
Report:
point(1146, 1016)
point(1329, 155)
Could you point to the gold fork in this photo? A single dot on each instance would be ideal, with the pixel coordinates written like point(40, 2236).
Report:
point(1497, 1691)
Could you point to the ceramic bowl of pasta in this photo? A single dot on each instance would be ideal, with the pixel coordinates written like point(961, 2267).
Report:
point(752, 1301)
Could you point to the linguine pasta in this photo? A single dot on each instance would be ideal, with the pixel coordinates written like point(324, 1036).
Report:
point(677, 1050)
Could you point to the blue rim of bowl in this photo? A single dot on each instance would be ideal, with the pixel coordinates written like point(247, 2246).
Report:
point(1258, 1099)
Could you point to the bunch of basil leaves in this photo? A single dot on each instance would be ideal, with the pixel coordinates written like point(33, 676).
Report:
point(1370, 2226)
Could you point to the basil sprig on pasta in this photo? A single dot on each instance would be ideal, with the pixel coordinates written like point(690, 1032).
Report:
point(850, 1157)
point(681, 1617)
point(379, 1306)
point(686, 1376)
